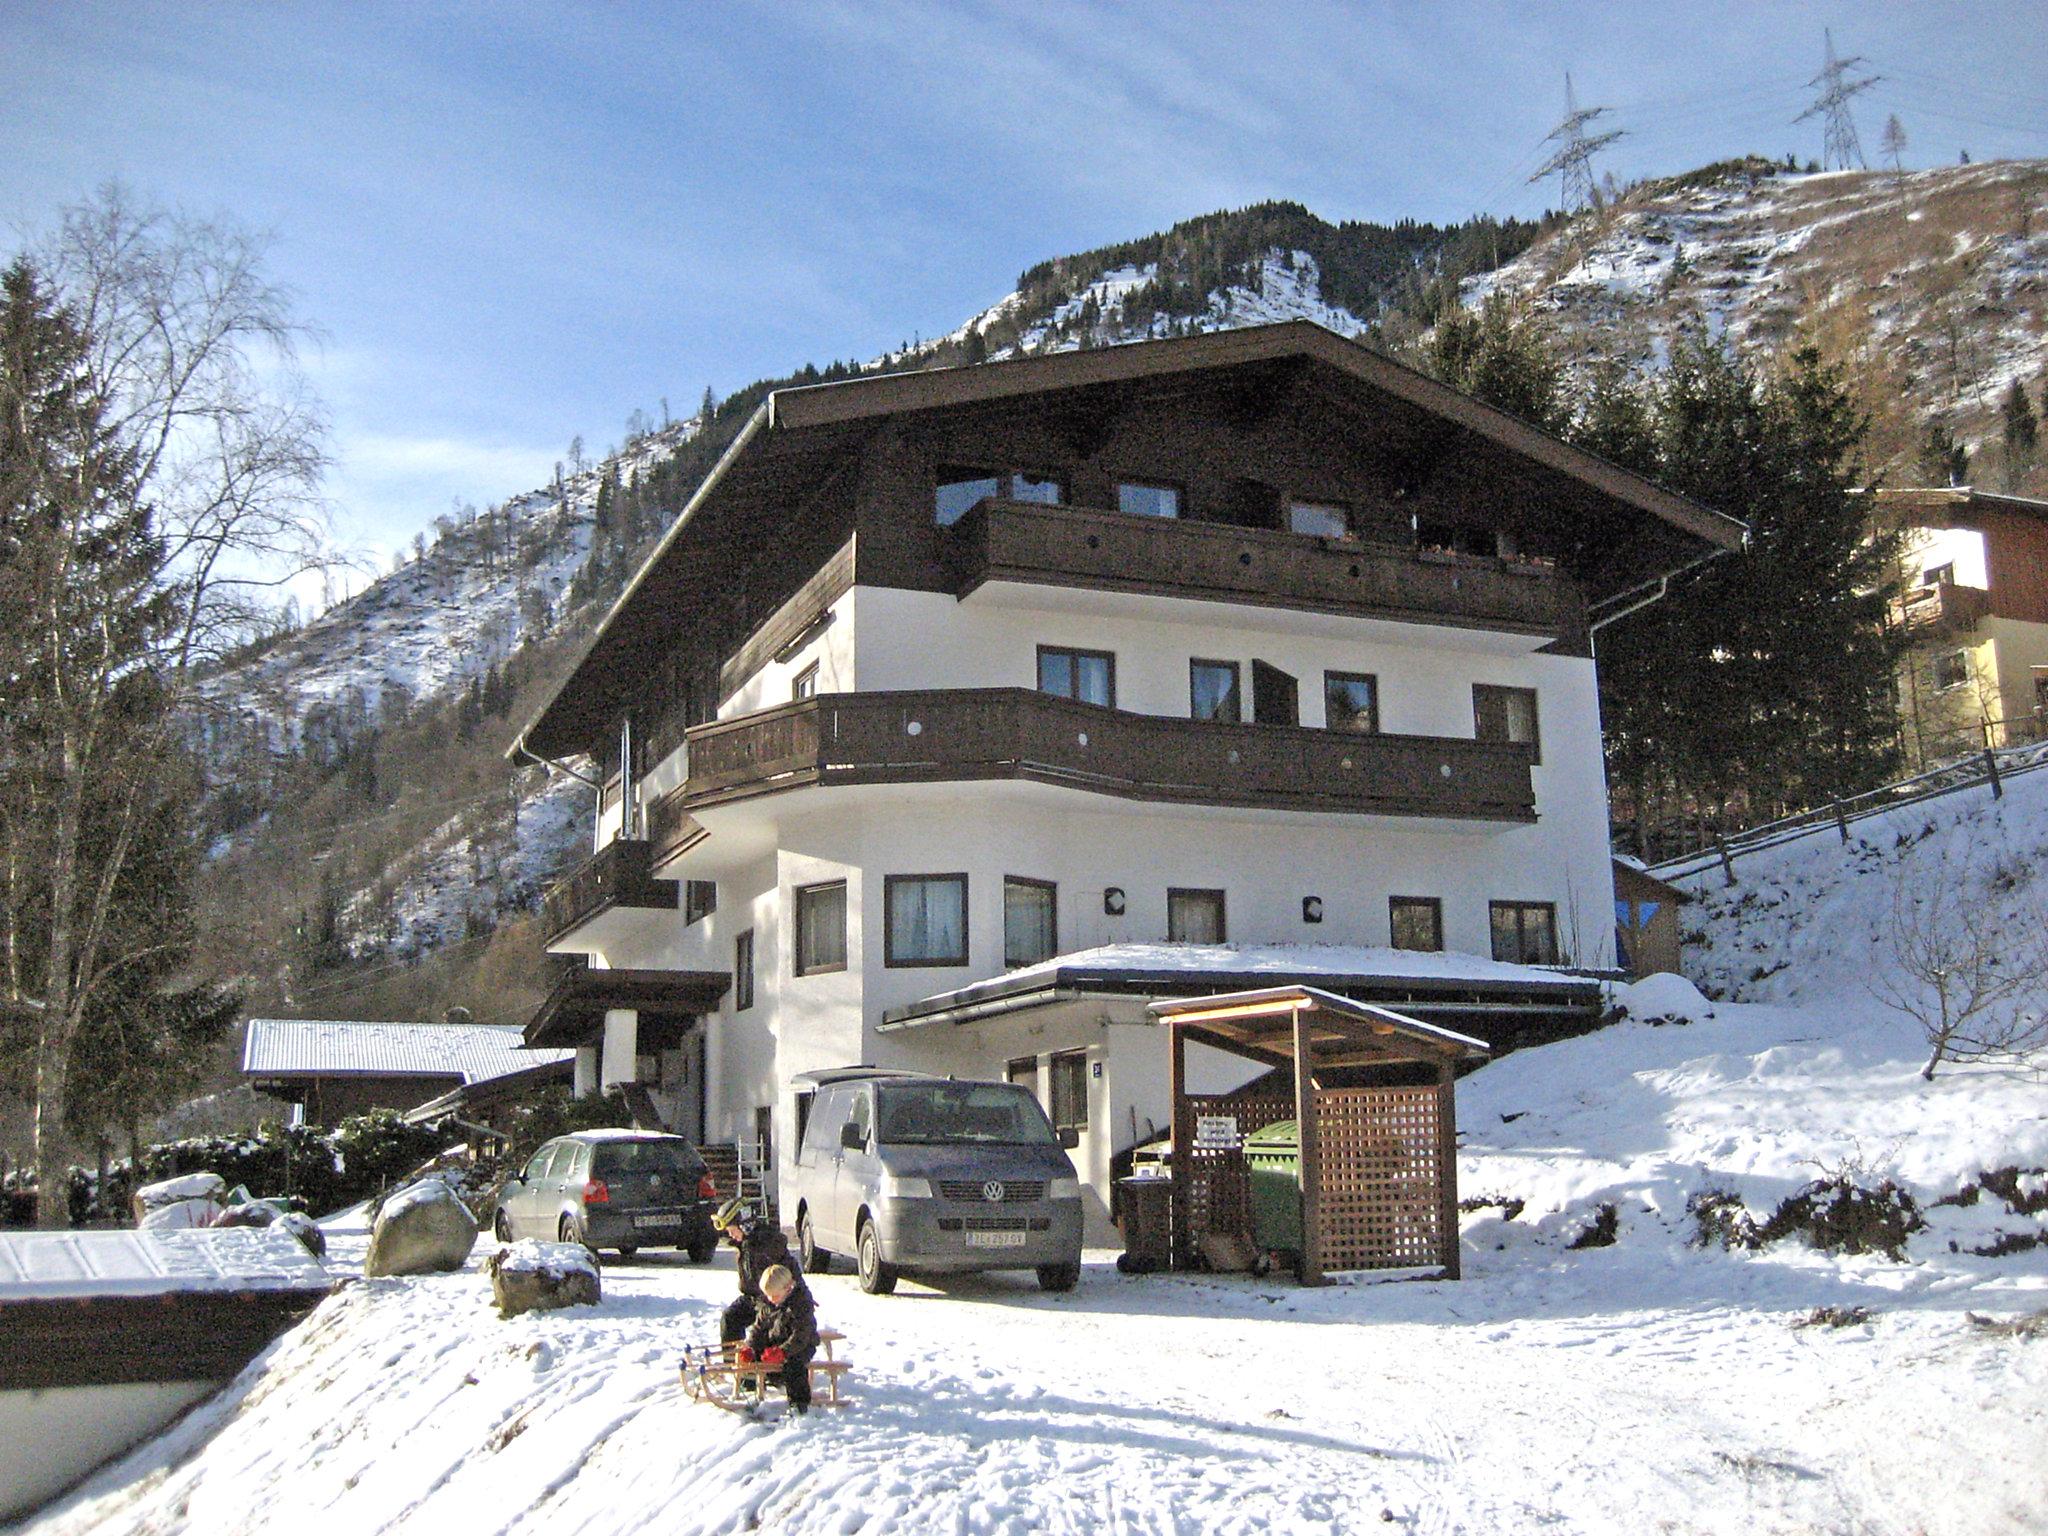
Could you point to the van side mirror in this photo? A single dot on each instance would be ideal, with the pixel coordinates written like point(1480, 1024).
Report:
point(1070, 1138)
point(852, 1137)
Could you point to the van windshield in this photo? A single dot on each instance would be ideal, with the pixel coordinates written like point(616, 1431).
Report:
point(961, 1114)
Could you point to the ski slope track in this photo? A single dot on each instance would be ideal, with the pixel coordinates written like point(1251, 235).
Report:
point(1651, 1385)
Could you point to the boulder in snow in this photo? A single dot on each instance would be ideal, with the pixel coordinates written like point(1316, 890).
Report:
point(306, 1230)
point(1662, 999)
point(532, 1276)
point(421, 1229)
point(193, 1200)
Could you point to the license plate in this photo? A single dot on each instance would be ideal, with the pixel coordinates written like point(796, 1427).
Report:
point(658, 1219)
point(996, 1239)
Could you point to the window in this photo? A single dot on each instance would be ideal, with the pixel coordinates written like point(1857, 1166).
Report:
point(1351, 702)
point(1952, 669)
point(1937, 575)
point(1030, 920)
point(924, 920)
point(1040, 488)
point(821, 928)
point(1213, 691)
point(700, 900)
point(743, 971)
point(806, 684)
point(1525, 932)
point(1416, 922)
point(1194, 917)
point(1070, 1093)
point(1089, 676)
point(1507, 714)
point(1146, 500)
point(1323, 519)
point(960, 489)
point(1023, 1072)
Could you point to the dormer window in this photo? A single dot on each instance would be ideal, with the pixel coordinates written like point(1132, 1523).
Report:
point(959, 490)
point(1320, 519)
point(1143, 498)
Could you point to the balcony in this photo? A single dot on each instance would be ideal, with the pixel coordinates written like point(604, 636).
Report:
point(1942, 608)
point(1016, 733)
point(1075, 546)
point(618, 879)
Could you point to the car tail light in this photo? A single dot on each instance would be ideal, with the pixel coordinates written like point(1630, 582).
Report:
point(706, 1190)
point(595, 1193)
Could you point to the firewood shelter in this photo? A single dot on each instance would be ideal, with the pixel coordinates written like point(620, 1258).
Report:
point(1371, 1094)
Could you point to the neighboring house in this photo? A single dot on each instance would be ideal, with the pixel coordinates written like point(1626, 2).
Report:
point(334, 1068)
point(1646, 932)
point(1976, 612)
point(1243, 642)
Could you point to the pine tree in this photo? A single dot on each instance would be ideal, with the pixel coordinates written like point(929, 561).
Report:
point(85, 722)
point(1499, 354)
point(2022, 435)
point(1894, 141)
point(1943, 460)
point(1764, 680)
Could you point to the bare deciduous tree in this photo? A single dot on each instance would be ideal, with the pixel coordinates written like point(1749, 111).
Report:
point(196, 352)
point(1973, 979)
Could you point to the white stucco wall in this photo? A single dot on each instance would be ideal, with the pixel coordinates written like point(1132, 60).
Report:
point(761, 850)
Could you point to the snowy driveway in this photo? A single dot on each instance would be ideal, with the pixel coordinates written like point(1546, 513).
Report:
point(1595, 1391)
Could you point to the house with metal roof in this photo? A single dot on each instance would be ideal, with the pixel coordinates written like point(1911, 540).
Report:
point(334, 1068)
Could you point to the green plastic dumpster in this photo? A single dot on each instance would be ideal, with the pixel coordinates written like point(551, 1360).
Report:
point(1272, 1154)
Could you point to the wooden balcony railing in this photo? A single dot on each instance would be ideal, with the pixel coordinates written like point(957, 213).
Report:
point(617, 876)
point(1077, 546)
point(1943, 608)
point(1017, 733)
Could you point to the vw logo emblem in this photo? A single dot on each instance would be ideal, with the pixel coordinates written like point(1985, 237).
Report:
point(992, 1192)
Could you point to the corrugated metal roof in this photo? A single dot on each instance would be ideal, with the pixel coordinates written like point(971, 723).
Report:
point(347, 1048)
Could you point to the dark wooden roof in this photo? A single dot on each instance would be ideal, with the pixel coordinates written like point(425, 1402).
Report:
point(576, 1007)
point(799, 437)
point(1259, 1024)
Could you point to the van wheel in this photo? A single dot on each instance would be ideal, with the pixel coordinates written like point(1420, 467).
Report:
point(502, 1228)
point(626, 1254)
point(876, 1278)
point(815, 1260)
point(1058, 1277)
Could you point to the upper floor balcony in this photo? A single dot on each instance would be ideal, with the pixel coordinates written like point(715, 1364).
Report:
point(610, 890)
point(1942, 608)
point(972, 734)
point(1116, 551)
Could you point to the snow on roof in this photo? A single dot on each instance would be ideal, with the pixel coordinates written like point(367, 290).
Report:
point(345, 1048)
point(1298, 960)
point(42, 1265)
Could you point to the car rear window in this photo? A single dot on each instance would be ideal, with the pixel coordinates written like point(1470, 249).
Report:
point(615, 1158)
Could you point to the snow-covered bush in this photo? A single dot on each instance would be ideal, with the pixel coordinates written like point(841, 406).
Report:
point(1721, 1219)
point(1838, 1215)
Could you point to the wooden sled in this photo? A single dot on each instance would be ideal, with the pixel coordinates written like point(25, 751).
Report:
point(714, 1376)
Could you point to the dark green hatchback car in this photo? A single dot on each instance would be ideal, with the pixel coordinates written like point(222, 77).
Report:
point(624, 1190)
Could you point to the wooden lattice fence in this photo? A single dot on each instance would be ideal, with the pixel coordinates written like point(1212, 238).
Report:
point(1382, 1177)
point(1218, 1183)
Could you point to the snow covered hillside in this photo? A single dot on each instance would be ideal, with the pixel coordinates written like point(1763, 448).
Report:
point(440, 619)
point(1944, 272)
point(1814, 921)
point(1650, 1383)
point(1286, 286)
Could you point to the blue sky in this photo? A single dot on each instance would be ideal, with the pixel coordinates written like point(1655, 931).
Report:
point(516, 222)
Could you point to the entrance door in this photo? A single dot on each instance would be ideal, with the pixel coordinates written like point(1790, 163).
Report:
point(1276, 696)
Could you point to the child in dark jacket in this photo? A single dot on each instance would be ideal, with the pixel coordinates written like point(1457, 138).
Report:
point(785, 1333)
point(761, 1247)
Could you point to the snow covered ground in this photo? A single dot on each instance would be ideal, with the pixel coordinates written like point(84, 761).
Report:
point(1648, 1385)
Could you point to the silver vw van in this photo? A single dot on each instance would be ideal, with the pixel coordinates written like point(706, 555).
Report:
point(934, 1175)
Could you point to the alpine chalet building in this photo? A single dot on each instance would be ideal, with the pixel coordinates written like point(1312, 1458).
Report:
point(964, 712)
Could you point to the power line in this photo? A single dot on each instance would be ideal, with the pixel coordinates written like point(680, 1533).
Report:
point(1841, 146)
point(1572, 161)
